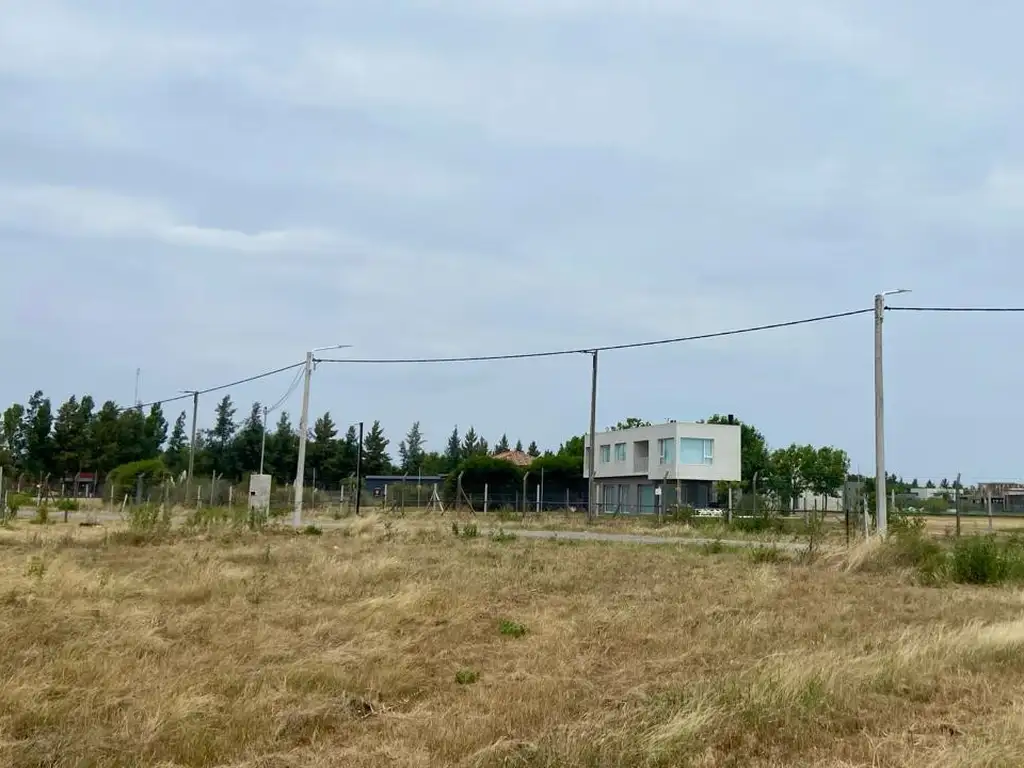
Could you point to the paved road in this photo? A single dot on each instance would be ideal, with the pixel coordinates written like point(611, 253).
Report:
point(636, 538)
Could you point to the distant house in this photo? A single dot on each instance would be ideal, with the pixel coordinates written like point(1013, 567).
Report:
point(677, 461)
point(519, 458)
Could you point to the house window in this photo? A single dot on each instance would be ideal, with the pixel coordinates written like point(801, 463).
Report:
point(620, 453)
point(666, 451)
point(606, 454)
point(696, 450)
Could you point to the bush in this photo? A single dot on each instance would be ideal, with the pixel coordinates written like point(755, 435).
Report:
point(15, 501)
point(511, 628)
point(466, 676)
point(761, 523)
point(986, 560)
point(42, 516)
point(312, 530)
point(67, 505)
point(768, 555)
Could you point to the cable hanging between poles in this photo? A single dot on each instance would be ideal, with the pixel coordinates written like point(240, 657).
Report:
point(607, 348)
point(219, 387)
point(955, 309)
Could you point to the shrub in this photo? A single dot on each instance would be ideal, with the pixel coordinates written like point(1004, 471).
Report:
point(761, 523)
point(511, 628)
point(67, 505)
point(469, 531)
point(768, 555)
point(466, 676)
point(986, 560)
point(15, 501)
point(42, 515)
point(501, 535)
point(312, 530)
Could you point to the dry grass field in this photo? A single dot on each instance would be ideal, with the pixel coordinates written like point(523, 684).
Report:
point(396, 643)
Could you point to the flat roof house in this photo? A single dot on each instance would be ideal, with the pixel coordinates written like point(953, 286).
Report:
point(684, 459)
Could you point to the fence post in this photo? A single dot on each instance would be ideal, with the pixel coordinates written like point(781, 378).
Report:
point(566, 502)
point(486, 498)
point(538, 499)
point(988, 508)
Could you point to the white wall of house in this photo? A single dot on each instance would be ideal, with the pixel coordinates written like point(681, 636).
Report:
point(674, 450)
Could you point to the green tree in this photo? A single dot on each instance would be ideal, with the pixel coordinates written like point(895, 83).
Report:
point(248, 442)
point(375, 456)
point(574, 446)
point(67, 443)
point(323, 450)
point(132, 445)
point(38, 427)
point(105, 437)
point(630, 423)
point(154, 432)
point(283, 450)
point(533, 450)
point(825, 470)
point(176, 455)
point(470, 443)
point(502, 445)
point(434, 463)
point(221, 437)
point(754, 454)
point(348, 450)
point(453, 451)
point(12, 436)
point(519, 446)
point(410, 450)
point(787, 472)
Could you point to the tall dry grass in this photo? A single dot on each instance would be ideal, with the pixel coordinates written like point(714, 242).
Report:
point(345, 649)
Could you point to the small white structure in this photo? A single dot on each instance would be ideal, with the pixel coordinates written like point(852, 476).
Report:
point(259, 494)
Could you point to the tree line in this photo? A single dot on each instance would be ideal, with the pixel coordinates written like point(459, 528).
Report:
point(37, 441)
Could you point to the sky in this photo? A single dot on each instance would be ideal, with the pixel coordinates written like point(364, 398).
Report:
point(205, 191)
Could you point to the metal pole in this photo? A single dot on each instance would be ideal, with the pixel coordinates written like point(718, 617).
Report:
point(192, 444)
point(359, 469)
point(956, 502)
point(988, 508)
point(300, 469)
point(881, 511)
point(538, 498)
point(486, 498)
point(263, 447)
point(591, 485)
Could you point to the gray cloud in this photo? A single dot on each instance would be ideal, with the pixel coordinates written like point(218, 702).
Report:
point(208, 191)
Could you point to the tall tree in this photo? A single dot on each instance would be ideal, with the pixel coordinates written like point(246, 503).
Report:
point(410, 450)
point(105, 437)
point(348, 450)
point(630, 423)
point(154, 432)
point(825, 470)
point(790, 471)
point(470, 443)
point(220, 438)
point(248, 442)
point(322, 451)
point(12, 436)
point(132, 444)
point(176, 455)
point(453, 451)
point(283, 450)
point(519, 445)
point(502, 445)
point(67, 442)
point(375, 456)
point(533, 450)
point(574, 446)
point(38, 421)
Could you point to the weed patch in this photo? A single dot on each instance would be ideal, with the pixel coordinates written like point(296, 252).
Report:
point(512, 629)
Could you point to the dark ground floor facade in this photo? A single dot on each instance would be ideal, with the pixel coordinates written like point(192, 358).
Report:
point(632, 495)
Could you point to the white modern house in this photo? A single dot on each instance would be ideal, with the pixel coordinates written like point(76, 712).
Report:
point(683, 459)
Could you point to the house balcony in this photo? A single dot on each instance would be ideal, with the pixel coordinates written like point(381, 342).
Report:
point(641, 464)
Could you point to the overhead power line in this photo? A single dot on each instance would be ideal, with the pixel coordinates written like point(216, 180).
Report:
point(955, 309)
point(606, 348)
point(219, 387)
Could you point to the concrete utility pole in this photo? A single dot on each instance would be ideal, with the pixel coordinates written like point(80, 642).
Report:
point(263, 446)
point(192, 441)
point(881, 497)
point(300, 469)
point(591, 484)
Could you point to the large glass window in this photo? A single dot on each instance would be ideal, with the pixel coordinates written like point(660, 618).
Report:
point(620, 453)
point(606, 454)
point(696, 450)
point(666, 451)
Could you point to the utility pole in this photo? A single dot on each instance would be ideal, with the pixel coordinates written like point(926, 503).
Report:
point(300, 470)
point(881, 497)
point(192, 441)
point(263, 447)
point(591, 484)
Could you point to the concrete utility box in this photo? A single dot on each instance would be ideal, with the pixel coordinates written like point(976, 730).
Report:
point(259, 494)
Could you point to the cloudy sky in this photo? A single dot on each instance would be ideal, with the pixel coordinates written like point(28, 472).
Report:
point(206, 190)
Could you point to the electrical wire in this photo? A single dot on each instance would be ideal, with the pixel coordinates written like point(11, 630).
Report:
point(606, 348)
point(219, 387)
point(291, 388)
point(955, 309)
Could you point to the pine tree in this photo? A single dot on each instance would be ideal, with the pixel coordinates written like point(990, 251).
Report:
point(248, 443)
point(105, 437)
point(470, 443)
point(410, 450)
point(519, 446)
point(533, 450)
point(453, 451)
point(12, 436)
point(502, 445)
point(155, 432)
point(283, 450)
point(223, 461)
point(38, 425)
point(375, 457)
point(322, 450)
point(65, 442)
point(176, 455)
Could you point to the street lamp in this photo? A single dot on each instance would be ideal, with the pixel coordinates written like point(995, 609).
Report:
point(881, 507)
point(300, 470)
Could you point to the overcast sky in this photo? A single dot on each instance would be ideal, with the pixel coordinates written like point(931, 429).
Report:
point(206, 190)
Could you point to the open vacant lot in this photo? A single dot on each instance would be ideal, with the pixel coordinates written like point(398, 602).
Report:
point(387, 643)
